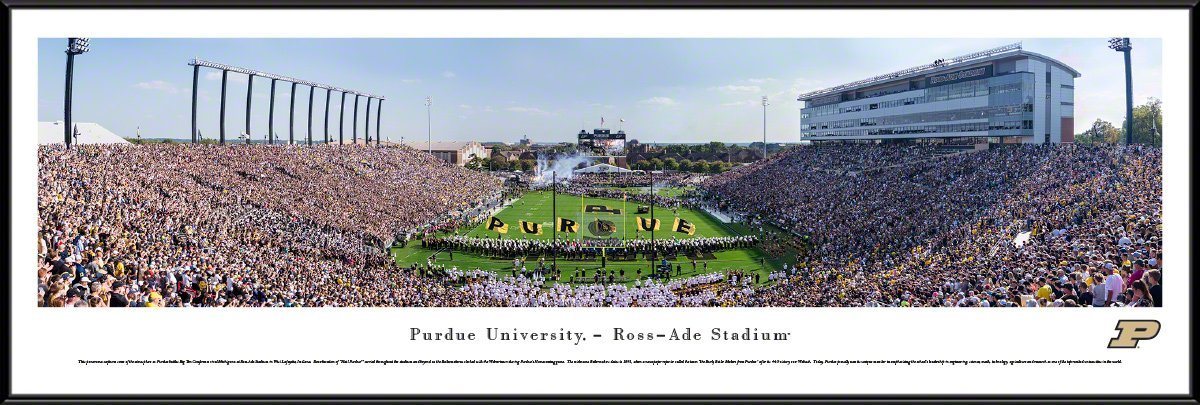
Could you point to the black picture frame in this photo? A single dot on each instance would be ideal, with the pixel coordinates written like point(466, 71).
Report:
point(10, 5)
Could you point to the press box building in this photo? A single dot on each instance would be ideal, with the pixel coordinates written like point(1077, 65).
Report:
point(1001, 95)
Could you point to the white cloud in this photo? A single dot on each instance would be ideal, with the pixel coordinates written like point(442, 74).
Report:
point(733, 88)
point(761, 81)
point(488, 109)
point(744, 103)
point(448, 74)
point(528, 110)
point(804, 85)
point(464, 106)
point(663, 101)
point(158, 85)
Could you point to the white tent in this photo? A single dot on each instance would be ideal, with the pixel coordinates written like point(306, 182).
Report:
point(89, 133)
point(602, 168)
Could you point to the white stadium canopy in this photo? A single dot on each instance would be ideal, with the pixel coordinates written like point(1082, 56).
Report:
point(602, 168)
point(89, 133)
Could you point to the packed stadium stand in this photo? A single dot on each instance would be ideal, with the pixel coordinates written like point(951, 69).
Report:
point(874, 225)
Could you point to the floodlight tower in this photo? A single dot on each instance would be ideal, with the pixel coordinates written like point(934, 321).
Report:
point(1122, 45)
point(75, 46)
point(765, 104)
point(428, 124)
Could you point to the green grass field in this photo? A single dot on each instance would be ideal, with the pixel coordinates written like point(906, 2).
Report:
point(536, 206)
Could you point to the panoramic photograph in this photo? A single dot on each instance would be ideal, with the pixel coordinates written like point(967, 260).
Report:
point(581, 172)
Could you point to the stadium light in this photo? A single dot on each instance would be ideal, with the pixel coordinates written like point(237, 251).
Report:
point(764, 104)
point(75, 46)
point(428, 124)
point(78, 45)
point(1123, 45)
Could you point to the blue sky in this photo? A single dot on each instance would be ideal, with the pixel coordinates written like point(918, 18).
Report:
point(667, 90)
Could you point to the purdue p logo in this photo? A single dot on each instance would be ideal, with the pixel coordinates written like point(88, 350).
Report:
point(1132, 332)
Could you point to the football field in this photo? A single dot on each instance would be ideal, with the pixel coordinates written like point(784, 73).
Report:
point(537, 206)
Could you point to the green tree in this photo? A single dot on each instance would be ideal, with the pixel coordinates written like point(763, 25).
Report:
point(670, 164)
point(676, 148)
point(1101, 132)
point(685, 165)
point(502, 164)
point(656, 164)
point(718, 167)
point(526, 165)
point(476, 163)
point(716, 147)
point(700, 166)
point(1147, 123)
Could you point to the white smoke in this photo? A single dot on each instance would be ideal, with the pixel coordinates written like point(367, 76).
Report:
point(562, 164)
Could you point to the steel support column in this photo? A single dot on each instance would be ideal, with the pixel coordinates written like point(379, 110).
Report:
point(342, 121)
point(271, 117)
point(224, 82)
point(327, 94)
point(249, 92)
point(292, 118)
point(367, 123)
point(310, 99)
point(378, 115)
point(1128, 100)
point(195, 92)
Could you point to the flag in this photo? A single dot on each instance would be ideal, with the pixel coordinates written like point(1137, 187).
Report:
point(532, 228)
point(601, 122)
point(495, 224)
point(646, 224)
point(566, 225)
point(683, 226)
point(622, 120)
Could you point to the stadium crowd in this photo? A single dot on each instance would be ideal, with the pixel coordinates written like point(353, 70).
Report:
point(916, 230)
point(188, 225)
point(194, 225)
